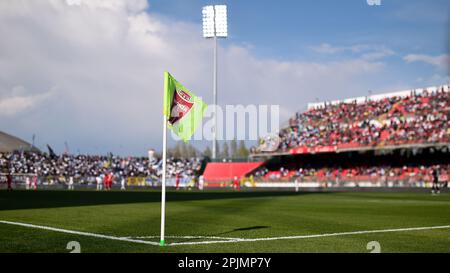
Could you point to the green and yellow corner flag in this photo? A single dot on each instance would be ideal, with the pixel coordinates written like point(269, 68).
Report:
point(184, 110)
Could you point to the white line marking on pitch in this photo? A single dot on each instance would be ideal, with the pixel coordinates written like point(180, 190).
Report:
point(184, 237)
point(312, 236)
point(228, 240)
point(79, 233)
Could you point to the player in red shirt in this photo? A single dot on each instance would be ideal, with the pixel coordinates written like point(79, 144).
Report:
point(34, 182)
point(110, 180)
point(107, 181)
point(237, 183)
point(177, 181)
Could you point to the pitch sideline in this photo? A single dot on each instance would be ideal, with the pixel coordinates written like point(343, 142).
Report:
point(228, 240)
point(79, 233)
point(314, 236)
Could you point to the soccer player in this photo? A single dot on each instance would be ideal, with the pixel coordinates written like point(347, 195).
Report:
point(122, 183)
point(27, 183)
point(201, 182)
point(111, 178)
point(237, 183)
point(105, 181)
point(9, 181)
point(99, 180)
point(70, 188)
point(435, 175)
point(108, 180)
point(177, 181)
point(34, 182)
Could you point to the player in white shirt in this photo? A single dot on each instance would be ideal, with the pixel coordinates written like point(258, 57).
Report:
point(122, 184)
point(71, 183)
point(99, 180)
point(27, 183)
point(201, 182)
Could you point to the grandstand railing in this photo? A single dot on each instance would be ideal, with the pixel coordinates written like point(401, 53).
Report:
point(376, 181)
point(351, 147)
point(20, 180)
point(314, 181)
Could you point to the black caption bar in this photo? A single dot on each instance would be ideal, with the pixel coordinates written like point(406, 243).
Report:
point(224, 262)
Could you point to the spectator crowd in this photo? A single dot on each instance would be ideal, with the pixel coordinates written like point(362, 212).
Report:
point(418, 118)
point(356, 173)
point(88, 167)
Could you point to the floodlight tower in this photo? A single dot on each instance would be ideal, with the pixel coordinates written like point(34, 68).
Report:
point(215, 26)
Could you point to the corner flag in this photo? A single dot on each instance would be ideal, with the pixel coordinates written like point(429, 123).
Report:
point(182, 108)
point(183, 112)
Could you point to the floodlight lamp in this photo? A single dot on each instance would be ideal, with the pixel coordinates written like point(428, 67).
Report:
point(208, 21)
point(215, 21)
point(220, 20)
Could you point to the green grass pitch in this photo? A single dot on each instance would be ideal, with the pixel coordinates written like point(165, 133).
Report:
point(208, 215)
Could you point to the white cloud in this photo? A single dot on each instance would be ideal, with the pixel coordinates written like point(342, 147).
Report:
point(19, 100)
point(440, 61)
point(364, 51)
point(132, 6)
point(378, 54)
point(104, 62)
point(326, 48)
point(435, 79)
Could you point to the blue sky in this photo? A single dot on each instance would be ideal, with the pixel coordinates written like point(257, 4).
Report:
point(89, 72)
point(285, 29)
point(289, 30)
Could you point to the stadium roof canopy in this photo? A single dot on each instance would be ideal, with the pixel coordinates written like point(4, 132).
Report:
point(9, 143)
point(377, 97)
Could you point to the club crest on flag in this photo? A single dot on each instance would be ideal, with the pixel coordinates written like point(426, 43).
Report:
point(181, 105)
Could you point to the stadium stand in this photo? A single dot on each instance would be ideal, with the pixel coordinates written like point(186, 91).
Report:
point(401, 136)
point(390, 139)
point(54, 169)
point(393, 119)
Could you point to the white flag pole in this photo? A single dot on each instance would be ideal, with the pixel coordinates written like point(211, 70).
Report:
point(164, 159)
point(163, 182)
